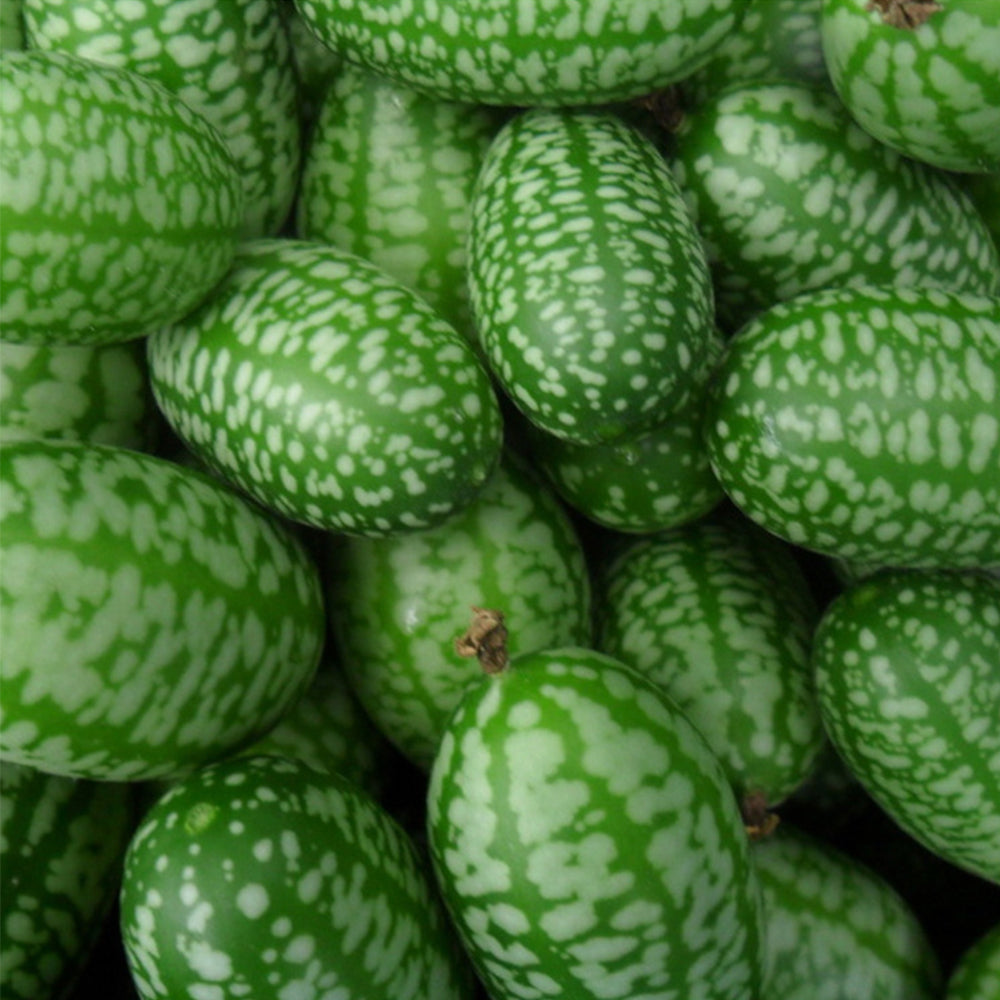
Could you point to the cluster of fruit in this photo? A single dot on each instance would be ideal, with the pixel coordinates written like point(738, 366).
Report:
point(662, 334)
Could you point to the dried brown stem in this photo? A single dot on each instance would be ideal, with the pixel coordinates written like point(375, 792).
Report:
point(905, 14)
point(486, 639)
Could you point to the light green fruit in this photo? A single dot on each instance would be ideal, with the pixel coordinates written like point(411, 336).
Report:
point(977, 973)
point(921, 78)
point(119, 205)
point(907, 669)
point(153, 621)
point(587, 842)
point(228, 60)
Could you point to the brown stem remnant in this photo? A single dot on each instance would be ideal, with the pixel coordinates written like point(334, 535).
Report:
point(905, 14)
point(666, 107)
point(759, 823)
point(486, 639)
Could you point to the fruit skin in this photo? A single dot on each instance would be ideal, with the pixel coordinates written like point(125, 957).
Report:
point(863, 423)
point(586, 841)
point(396, 605)
point(907, 667)
point(61, 846)
point(977, 974)
point(98, 394)
point(930, 91)
point(119, 206)
point(528, 54)
point(589, 288)
point(152, 619)
point(262, 877)
point(719, 615)
point(834, 929)
point(790, 195)
point(328, 392)
point(389, 176)
point(228, 60)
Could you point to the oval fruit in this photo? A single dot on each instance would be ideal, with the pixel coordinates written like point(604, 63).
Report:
point(921, 78)
point(719, 615)
point(119, 206)
point(262, 877)
point(61, 847)
point(152, 619)
point(99, 394)
point(228, 60)
point(589, 288)
point(790, 195)
point(586, 839)
point(393, 602)
point(865, 424)
point(832, 923)
point(520, 55)
point(329, 392)
point(908, 674)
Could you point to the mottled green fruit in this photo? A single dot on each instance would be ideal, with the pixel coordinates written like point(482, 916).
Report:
point(11, 26)
point(719, 615)
point(316, 66)
point(977, 974)
point(526, 54)
point(836, 931)
point(329, 392)
point(589, 287)
point(389, 176)
point(228, 60)
point(790, 195)
point(776, 40)
point(152, 620)
point(865, 424)
point(908, 674)
point(396, 605)
point(262, 877)
point(61, 848)
point(98, 394)
point(925, 87)
point(119, 205)
point(587, 842)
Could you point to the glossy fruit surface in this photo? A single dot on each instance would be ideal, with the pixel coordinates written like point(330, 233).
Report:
point(152, 619)
point(864, 423)
point(263, 876)
point(119, 206)
point(908, 673)
point(587, 842)
point(329, 392)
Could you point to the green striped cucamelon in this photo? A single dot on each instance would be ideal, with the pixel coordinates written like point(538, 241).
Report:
point(261, 877)
point(389, 176)
point(152, 620)
point(99, 394)
point(119, 206)
point(976, 975)
point(589, 287)
point(11, 26)
point(329, 392)
point(921, 78)
point(907, 667)
point(790, 195)
point(720, 616)
point(864, 423)
point(61, 847)
point(587, 842)
point(228, 60)
point(393, 602)
point(834, 930)
point(528, 53)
